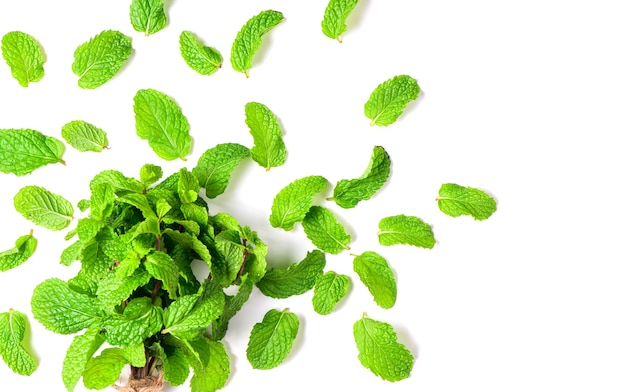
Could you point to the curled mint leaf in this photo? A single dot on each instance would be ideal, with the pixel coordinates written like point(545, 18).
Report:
point(13, 328)
point(292, 202)
point(210, 363)
point(249, 39)
point(147, 16)
point(377, 276)
point(24, 56)
point(297, 279)
point(43, 207)
point(271, 339)
point(216, 165)
point(24, 248)
point(269, 149)
point(324, 230)
point(330, 288)
point(205, 60)
point(84, 136)
point(335, 15)
point(24, 150)
point(390, 98)
point(403, 229)
point(99, 59)
point(456, 200)
point(149, 174)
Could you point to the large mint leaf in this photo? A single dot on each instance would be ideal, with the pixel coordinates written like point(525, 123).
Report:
point(269, 149)
point(271, 340)
point(324, 230)
point(187, 316)
point(80, 351)
point(216, 165)
point(140, 320)
point(99, 59)
point(329, 289)
point(335, 15)
point(104, 370)
point(249, 39)
point(84, 136)
point(390, 98)
point(147, 16)
point(24, 150)
point(210, 363)
point(112, 290)
point(293, 201)
point(377, 276)
point(24, 56)
point(24, 248)
point(297, 279)
point(380, 351)
point(403, 229)
point(456, 200)
point(43, 207)
point(175, 364)
point(13, 325)
point(205, 60)
point(160, 121)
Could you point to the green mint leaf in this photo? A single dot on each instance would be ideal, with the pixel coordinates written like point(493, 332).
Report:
point(87, 229)
point(71, 253)
point(13, 325)
point(330, 288)
point(456, 200)
point(24, 150)
point(216, 165)
point(121, 184)
point(141, 202)
point(325, 232)
point(136, 354)
point(43, 207)
point(112, 289)
point(226, 267)
point(377, 276)
point(99, 59)
point(140, 320)
point(390, 98)
point(101, 202)
point(62, 310)
point(84, 136)
point(188, 187)
point(403, 229)
point(104, 370)
point(24, 56)
point(269, 149)
point(160, 121)
point(162, 267)
point(215, 369)
point(24, 248)
point(82, 348)
point(271, 340)
point(205, 60)
point(175, 364)
point(232, 305)
point(189, 315)
point(293, 201)
point(297, 279)
point(380, 351)
point(149, 174)
point(147, 16)
point(335, 15)
point(348, 193)
point(249, 39)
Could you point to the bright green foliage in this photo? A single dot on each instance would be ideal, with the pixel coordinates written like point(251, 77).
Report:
point(205, 60)
point(24, 248)
point(216, 165)
point(99, 59)
point(269, 149)
point(13, 326)
point(271, 340)
point(390, 98)
point(330, 288)
point(149, 174)
point(135, 354)
point(43, 207)
point(113, 290)
point(293, 201)
point(456, 200)
point(140, 320)
point(297, 279)
point(188, 187)
point(210, 364)
point(380, 351)
point(104, 370)
point(24, 56)
point(175, 364)
point(82, 348)
point(249, 39)
point(121, 184)
point(403, 229)
point(348, 193)
point(232, 305)
point(147, 16)
point(84, 136)
point(24, 150)
point(324, 231)
point(160, 121)
point(377, 276)
point(335, 15)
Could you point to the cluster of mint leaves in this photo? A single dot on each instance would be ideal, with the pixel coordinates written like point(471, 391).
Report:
point(136, 299)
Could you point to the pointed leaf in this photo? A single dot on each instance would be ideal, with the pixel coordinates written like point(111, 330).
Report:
point(84, 136)
point(216, 165)
point(329, 289)
point(403, 229)
point(13, 326)
point(99, 59)
point(80, 351)
point(24, 248)
point(205, 60)
point(324, 231)
point(147, 16)
point(456, 200)
point(24, 150)
point(43, 207)
point(377, 276)
point(24, 56)
point(293, 201)
point(269, 149)
point(297, 279)
point(335, 15)
point(390, 98)
point(271, 340)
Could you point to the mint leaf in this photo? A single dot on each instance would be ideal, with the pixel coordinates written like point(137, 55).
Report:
point(249, 39)
point(269, 149)
point(104, 370)
point(390, 98)
point(380, 351)
point(322, 228)
point(175, 364)
point(216, 165)
point(140, 320)
point(293, 201)
point(99, 59)
point(147, 16)
point(61, 309)
point(43, 207)
point(211, 365)
point(403, 229)
point(13, 325)
point(377, 276)
point(271, 340)
point(188, 187)
point(232, 305)
point(205, 60)
point(160, 121)
point(149, 174)
point(84, 136)
point(80, 351)
point(112, 289)
point(329, 289)
point(348, 193)
point(297, 279)
point(162, 267)
point(24, 150)
point(121, 184)
point(456, 200)
point(335, 15)
point(24, 248)
point(24, 56)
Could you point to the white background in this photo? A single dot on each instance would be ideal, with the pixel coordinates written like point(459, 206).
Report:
point(524, 100)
